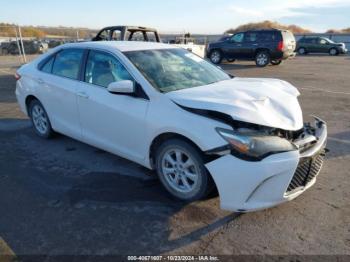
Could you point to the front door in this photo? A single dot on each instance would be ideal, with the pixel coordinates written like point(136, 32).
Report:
point(113, 122)
point(233, 47)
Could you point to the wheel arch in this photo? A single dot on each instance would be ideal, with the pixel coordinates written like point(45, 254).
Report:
point(335, 48)
point(261, 49)
point(28, 100)
point(159, 139)
point(216, 49)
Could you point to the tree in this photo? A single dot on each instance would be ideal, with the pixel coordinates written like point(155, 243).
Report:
point(268, 25)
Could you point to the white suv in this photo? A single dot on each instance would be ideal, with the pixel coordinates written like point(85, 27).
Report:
point(169, 110)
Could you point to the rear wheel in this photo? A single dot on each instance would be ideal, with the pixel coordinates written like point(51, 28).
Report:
point(230, 60)
point(40, 119)
point(181, 170)
point(333, 51)
point(262, 58)
point(216, 57)
point(276, 62)
point(302, 51)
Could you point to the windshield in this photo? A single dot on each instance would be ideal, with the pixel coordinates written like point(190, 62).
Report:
point(174, 69)
point(329, 40)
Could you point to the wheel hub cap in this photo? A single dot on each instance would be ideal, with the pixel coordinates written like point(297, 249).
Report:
point(39, 119)
point(180, 171)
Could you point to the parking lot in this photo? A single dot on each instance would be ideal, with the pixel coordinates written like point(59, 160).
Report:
point(60, 196)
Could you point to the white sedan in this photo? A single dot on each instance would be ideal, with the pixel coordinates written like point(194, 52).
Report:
point(169, 110)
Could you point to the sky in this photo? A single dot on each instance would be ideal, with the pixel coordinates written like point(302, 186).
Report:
point(177, 16)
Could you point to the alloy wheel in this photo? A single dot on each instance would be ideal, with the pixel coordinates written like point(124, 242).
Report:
point(40, 119)
point(215, 57)
point(180, 170)
point(262, 59)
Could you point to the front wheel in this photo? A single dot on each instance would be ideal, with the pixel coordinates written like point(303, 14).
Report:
point(230, 60)
point(262, 59)
point(181, 170)
point(40, 119)
point(215, 57)
point(333, 52)
point(276, 62)
point(302, 51)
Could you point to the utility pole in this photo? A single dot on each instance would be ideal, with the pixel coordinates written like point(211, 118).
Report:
point(23, 52)
point(19, 46)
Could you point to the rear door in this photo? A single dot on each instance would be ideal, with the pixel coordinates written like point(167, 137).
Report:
point(313, 44)
point(58, 82)
point(249, 45)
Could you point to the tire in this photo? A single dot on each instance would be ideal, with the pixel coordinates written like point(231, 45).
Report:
point(230, 60)
point(333, 52)
point(262, 58)
point(186, 181)
point(215, 57)
point(276, 62)
point(302, 51)
point(40, 120)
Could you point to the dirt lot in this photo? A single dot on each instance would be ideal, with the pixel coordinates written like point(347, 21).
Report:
point(64, 197)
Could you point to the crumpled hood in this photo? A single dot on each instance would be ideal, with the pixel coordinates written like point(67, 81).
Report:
point(262, 101)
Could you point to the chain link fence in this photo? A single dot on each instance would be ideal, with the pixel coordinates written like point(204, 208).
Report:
point(11, 42)
point(27, 42)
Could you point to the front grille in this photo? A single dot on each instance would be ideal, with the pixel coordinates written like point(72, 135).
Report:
point(307, 170)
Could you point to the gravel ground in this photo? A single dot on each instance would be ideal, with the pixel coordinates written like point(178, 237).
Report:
point(64, 197)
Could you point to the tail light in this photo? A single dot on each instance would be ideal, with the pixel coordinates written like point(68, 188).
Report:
point(280, 46)
point(17, 76)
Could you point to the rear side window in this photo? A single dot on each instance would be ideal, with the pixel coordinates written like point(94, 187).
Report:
point(47, 67)
point(67, 63)
point(269, 36)
point(250, 37)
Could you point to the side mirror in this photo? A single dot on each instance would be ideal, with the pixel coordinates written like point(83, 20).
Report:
point(121, 87)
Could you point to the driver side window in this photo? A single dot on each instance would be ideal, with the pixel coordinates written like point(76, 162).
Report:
point(104, 35)
point(103, 69)
point(237, 38)
point(322, 41)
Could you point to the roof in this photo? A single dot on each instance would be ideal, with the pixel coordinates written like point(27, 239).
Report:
point(129, 27)
point(122, 46)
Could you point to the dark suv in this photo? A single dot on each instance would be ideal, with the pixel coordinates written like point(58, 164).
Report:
point(316, 44)
point(263, 46)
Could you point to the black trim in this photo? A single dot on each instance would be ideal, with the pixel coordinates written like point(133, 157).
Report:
point(82, 69)
point(43, 62)
point(215, 115)
point(139, 92)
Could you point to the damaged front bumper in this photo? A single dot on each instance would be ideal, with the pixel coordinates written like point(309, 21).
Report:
point(249, 186)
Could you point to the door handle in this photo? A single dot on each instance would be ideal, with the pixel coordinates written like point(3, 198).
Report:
point(40, 81)
point(83, 95)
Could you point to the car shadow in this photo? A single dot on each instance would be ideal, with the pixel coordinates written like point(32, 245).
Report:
point(236, 66)
point(52, 206)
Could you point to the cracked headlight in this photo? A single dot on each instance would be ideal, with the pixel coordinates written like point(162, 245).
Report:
point(252, 145)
